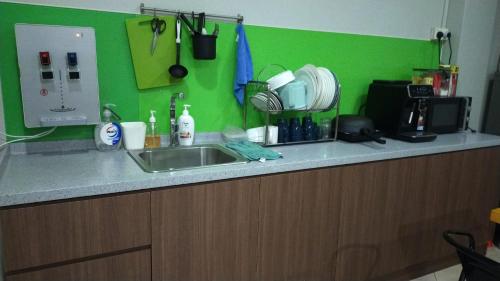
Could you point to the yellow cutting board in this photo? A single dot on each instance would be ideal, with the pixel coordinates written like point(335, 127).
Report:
point(151, 71)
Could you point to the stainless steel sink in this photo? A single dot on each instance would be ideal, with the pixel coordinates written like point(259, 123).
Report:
point(167, 159)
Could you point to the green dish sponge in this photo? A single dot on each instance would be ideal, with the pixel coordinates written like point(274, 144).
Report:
point(253, 151)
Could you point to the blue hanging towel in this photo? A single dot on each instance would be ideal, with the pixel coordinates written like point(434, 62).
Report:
point(244, 66)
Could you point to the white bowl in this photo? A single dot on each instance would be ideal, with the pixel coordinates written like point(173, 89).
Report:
point(280, 80)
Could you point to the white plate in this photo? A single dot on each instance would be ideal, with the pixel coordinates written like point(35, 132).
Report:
point(335, 88)
point(310, 82)
point(313, 72)
point(329, 93)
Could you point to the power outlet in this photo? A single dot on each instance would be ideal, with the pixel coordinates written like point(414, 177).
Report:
point(436, 30)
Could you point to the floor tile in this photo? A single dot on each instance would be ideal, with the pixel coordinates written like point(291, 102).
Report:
point(493, 253)
point(449, 274)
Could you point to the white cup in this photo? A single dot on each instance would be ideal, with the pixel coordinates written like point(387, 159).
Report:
point(257, 134)
point(134, 134)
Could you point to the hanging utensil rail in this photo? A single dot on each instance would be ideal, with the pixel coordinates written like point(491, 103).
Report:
point(154, 11)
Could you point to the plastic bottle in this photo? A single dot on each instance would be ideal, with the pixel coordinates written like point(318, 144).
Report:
point(186, 127)
point(108, 134)
point(152, 136)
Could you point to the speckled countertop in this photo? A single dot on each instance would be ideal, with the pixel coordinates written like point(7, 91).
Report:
point(31, 178)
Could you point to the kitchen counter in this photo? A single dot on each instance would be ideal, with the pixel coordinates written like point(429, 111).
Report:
point(32, 178)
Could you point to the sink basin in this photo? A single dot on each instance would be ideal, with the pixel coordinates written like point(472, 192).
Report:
point(167, 159)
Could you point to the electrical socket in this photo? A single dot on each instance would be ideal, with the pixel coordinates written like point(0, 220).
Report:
point(435, 31)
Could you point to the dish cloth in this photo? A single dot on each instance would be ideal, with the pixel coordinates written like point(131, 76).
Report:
point(244, 66)
point(253, 151)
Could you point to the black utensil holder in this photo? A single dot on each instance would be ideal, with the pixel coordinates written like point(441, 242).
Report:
point(204, 46)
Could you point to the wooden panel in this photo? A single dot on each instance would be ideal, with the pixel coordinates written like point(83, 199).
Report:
point(371, 211)
point(299, 214)
point(206, 232)
point(134, 266)
point(45, 234)
point(394, 212)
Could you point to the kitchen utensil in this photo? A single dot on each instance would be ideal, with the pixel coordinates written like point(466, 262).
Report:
point(158, 26)
point(134, 134)
point(325, 128)
point(307, 128)
point(258, 134)
point(204, 46)
point(295, 130)
point(150, 71)
point(177, 70)
point(355, 128)
point(311, 86)
point(216, 30)
point(201, 24)
point(261, 102)
point(293, 95)
point(281, 79)
point(282, 130)
point(188, 24)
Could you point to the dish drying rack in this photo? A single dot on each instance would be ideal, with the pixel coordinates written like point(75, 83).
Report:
point(254, 87)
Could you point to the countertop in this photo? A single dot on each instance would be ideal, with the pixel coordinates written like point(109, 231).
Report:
point(32, 178)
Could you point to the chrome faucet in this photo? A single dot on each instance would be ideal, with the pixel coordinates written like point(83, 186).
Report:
point(173, 126)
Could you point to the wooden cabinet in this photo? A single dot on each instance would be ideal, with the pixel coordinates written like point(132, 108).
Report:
point(372, 208)
point(206, 232)
point(373, 221)
point(298, 222)
point(51, 233)
point(394, 212)
point(134, 266)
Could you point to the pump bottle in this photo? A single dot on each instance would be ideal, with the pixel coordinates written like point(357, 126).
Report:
point(186, 127)
point(152, 136)
point(108, 134)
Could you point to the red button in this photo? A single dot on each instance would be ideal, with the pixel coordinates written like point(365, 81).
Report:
point(44, 58)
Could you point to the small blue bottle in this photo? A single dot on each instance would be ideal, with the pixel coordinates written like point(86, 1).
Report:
point(295, 130)
point(308, 128)
point(283, 132)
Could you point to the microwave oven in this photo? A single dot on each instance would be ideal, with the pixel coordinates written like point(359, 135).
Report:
point(412, 112)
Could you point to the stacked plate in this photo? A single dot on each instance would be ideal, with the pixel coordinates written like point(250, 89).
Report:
point(322, 87)
point(261, 102)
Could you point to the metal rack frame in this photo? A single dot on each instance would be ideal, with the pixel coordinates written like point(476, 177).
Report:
point(151, 10)
point(268, 115)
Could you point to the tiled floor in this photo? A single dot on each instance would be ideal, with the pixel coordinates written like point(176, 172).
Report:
point(452, 273)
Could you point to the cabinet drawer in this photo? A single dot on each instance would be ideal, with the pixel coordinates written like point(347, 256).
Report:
point(52, 233)
point(134, 266)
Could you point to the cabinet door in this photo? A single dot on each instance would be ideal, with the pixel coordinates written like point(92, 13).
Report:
point(45, 234)
point(372, 210)
point(475, 191)
point(134, 266)
point(394, 212)
point(298, 225)
point(206, 232)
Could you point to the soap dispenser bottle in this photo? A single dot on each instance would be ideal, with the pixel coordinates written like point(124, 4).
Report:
point(108, 134)
point(186, 127)
point(152, 136)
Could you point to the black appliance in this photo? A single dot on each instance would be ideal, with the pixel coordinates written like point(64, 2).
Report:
point(412, 112)
point(355, 128)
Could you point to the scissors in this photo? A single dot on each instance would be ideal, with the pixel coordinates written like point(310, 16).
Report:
point(158, 27)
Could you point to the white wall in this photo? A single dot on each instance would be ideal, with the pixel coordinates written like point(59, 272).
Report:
point(472, 23)
point(394, 18)
point(495, 46)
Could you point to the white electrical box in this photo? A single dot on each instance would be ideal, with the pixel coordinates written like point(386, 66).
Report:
point(58, 72)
